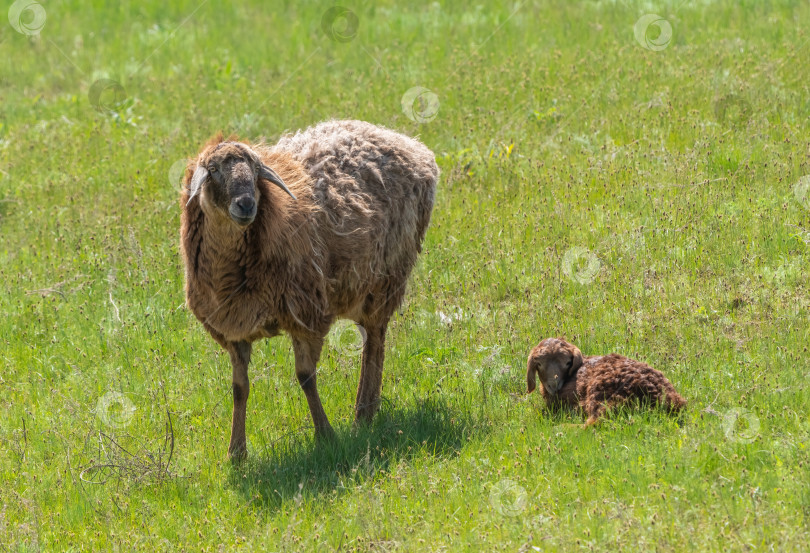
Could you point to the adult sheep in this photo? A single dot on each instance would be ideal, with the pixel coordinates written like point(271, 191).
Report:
point(325, 224)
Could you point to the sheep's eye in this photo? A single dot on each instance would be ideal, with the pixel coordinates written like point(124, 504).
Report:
point(570, 364)
point(212, 169)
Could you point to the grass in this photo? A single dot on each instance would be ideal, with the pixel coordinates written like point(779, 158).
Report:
point(644, 201)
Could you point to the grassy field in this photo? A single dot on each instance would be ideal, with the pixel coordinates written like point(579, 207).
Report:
point(636, 184)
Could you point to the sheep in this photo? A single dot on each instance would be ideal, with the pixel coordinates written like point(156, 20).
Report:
point(595, 383)
point(325, 224)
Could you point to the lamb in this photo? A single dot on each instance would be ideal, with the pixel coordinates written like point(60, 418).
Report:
point(595, 383)
point(325, 224)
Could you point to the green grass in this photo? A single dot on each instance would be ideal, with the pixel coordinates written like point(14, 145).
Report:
point(637, 201)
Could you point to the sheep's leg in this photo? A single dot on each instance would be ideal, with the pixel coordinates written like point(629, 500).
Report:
point(595, 407)
point(368, 391)
point(591, 422)
point(307, 353)
point(240, 359)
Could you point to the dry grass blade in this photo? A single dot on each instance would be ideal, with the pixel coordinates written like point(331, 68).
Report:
point(125, 457)
point(55, 288)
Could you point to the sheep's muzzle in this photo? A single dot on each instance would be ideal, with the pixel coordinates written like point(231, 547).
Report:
point(553, 385)
point(243, 209)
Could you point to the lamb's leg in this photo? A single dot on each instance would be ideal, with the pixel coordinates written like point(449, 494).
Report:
point(601, 399)
point(591, 421)
point(307, 353)
point(240, 359)
point(595, 405)
point(368, 391)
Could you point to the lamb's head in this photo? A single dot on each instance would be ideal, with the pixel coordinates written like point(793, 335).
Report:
point(226, 177)
point(555, 361)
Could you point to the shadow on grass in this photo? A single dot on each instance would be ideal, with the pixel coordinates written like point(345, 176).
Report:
point(298, 465)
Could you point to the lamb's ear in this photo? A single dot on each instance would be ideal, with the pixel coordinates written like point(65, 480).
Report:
point(577, 361)
point(197, 180)
point(268, 174)
point(531, 382)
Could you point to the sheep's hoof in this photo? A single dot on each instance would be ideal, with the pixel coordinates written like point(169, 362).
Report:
point(360, 422)
point(365, 415)
point(237, 454)
point(325, 435)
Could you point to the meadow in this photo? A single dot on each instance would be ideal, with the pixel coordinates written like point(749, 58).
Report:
point(634, 176)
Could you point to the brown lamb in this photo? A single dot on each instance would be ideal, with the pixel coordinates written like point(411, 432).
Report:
point(595, 383)
point(325, 224)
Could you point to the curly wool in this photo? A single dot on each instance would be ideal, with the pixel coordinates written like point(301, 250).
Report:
point(610, 380)
point(605, 381)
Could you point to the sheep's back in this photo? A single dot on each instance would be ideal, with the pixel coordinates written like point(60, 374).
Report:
point(374, 189)
point(622, 377)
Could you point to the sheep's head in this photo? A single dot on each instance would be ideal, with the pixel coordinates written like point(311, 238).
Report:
point(227, 175)
point(555, 361)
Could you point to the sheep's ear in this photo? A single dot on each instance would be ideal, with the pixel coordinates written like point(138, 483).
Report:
point(268, 174)
point(531, 382)
point(577, 361)
point(197, 180)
